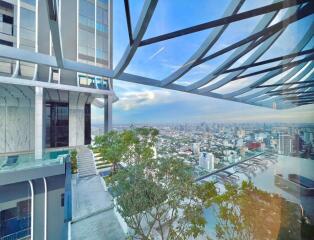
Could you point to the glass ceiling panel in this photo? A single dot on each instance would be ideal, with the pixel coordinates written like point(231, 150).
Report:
point(235, 32)
point(253, 4)
point(292, 35)
point(280, 16)
point(259, 68)
point(120, 31)
point(255, 90)
point(277, 78)
point(202, 70)
point(161, 59)
point(237, 84)
point(135, 11)
point(215, 80)
point(174, 15)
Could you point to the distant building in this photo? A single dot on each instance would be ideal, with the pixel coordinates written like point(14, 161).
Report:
point(207, 160)
point(196, 148)
point(240, 142)
point(285, 144)
point(254, 145)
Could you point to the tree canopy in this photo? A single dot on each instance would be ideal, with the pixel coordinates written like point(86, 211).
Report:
point(159, 199)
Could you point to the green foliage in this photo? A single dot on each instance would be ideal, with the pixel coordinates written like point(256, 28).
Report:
point(111, 147)
point(127, 146)
point(246, 212)
point(158, 196)
point(73, 156)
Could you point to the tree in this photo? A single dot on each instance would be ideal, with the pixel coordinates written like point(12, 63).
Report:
point(158, 197)
point(111, 147)
point(248, 213)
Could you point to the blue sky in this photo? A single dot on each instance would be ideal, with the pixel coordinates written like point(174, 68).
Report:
point(143, 104)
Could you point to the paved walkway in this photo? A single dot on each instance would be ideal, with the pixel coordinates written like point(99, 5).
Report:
point(93, 215)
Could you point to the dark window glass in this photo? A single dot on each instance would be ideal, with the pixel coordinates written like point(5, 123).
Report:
point(7, 19)
point(57, 124)
point(2, 42)
point(87, 139)
point(62, 199)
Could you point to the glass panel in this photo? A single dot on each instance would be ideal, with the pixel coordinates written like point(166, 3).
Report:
point(15, 211)
point(27, 40)
point(17, 162)
point(31, 2)
point(175, 15)
point(57, 124)
point(120, 31)
point(86, 36)
point(102, 33)
point(238, 84)
point(199, 72)
point(253, 4)
point(161, 59)
point(280, 47)
point(235, 32)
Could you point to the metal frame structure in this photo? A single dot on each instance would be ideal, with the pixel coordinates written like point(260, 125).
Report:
point(261, 39)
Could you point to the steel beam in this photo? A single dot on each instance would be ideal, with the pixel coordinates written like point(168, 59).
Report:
point(128, 20)
point(299, 46)
point(284, 84)
point(305, 11)
point(238, 53)
point(53, 19)
point(226, 20)
point(209, 42)
point(141, 26)
point(292, 55)
point(280, 67)
point(46, 60)
point(24, 82)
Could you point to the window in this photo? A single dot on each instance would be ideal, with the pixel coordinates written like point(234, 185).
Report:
point(57, 124)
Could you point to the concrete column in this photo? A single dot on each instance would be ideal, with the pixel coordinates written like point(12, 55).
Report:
point(39, 137)
point(108, 113)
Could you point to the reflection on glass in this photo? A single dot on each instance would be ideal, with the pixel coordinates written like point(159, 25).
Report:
point(15, 218)
point(247, 212)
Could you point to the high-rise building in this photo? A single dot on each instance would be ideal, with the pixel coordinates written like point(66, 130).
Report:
point(207, 161)
point(285, 144)
point(196, 148)
point(45, 111)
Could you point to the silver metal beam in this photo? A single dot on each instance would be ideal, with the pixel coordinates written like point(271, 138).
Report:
point(305, 11)
point(141, 26)
point(299, 46)
point(46, 60)
point(240, 51)
point(209, 42)
point(21, 81)
point(53, 19)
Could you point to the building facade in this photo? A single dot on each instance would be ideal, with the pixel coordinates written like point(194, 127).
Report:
point(46, 111)
point(285, 144)
point(207, 161)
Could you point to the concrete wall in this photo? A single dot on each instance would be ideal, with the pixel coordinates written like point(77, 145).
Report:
point(16, 123)
point(77, 118)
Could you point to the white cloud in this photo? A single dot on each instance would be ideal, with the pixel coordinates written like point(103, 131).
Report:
point(137, 99)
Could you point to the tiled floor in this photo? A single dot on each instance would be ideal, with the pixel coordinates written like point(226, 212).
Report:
point(93, 215)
